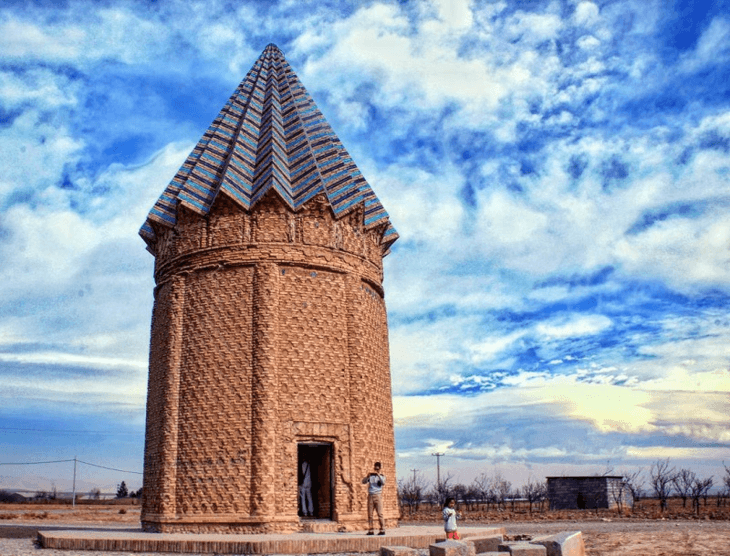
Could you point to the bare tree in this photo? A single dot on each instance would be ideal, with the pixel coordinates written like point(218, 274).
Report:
point(698, 489)
point(721, 497)
point(543, 495)
point(635, 483)
point(723, 493)
point(502, 490)
point(532, 491)
point(472, 496)
point(411, 492)
point(706, 491)
point(441, 491)
point(458, 491)
point(402, 497)
point(619, 492)
point(482, 486)
point(661, 481)
point(682, 483)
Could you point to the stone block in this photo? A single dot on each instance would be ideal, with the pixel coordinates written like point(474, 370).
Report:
point(523, 548)
point(568, 543)
point(397, 551)
point(451, 548)
point(485, 544)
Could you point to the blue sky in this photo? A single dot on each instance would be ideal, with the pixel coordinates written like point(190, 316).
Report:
point(558, 171)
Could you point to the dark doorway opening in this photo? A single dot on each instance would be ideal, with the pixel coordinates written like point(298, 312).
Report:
point(316, 459)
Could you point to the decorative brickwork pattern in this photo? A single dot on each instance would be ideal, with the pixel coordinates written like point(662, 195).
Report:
point(215, 394)
point(269, 334)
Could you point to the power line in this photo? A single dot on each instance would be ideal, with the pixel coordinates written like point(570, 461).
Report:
point(37, 462)
point(110, 468)
point(74, 460)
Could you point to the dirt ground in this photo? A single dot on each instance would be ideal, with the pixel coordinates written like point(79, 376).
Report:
point(685, 542)
point(641, 531)
point(605, 533)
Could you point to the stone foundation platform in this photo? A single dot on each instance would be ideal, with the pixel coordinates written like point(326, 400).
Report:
point(294, 543)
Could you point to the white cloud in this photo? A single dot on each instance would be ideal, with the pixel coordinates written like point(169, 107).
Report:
point(377, 46)
point(606, 407)
point(426, 206)
point(424, 353)
point(675, 453)
point(88, 392)
point(34, 152)
point(575, 326)
point(115, 33)
point(713, 46)
point(24, 40)
point(667, 248)
point(455, 13)
point(586, 14)
point(96, 362)
point(48, 244)
point(588, 42)
point(38, 86)
point(507, 221)
point(488, 349)
point(509, 229)
point(532, 28)
point(84, 271)
point(709, 376)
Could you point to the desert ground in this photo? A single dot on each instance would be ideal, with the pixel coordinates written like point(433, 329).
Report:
point(644, 532)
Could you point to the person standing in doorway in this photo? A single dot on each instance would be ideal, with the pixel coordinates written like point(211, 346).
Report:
point(375, 482)
point(305, 490)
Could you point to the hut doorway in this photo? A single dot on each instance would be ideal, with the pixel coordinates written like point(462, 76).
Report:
point(316, 479)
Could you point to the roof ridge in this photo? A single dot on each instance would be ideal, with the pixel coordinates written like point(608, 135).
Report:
point(223, 186)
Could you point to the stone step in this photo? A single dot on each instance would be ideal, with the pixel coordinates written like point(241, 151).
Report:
point(568, 543)
point(522, 548)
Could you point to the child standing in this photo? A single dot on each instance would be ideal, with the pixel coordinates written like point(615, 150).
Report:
point(450, 516)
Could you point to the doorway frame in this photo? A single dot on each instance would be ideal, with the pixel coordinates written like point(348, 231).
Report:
point(330, 446)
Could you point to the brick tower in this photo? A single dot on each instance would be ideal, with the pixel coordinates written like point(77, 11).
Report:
point(269, 343)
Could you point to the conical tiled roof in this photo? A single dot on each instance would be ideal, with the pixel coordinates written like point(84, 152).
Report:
point(269, 135)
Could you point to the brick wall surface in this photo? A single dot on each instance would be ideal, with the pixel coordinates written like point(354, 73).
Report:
point(269, 330)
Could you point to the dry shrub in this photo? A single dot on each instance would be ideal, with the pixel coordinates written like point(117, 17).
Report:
point(35, 515)
point(9, 516)
point(644, 509)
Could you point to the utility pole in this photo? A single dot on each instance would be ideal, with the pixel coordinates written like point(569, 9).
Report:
point(414, 476)
point(438, 469)
point(73, 499)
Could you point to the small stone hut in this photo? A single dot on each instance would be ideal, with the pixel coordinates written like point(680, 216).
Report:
point(269, 344)
point(582, 493)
